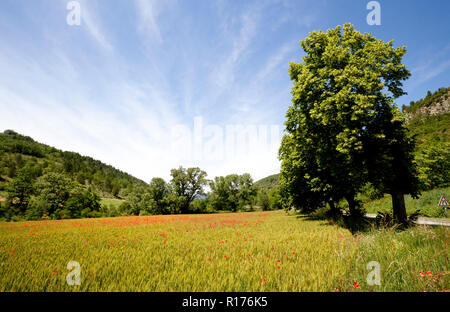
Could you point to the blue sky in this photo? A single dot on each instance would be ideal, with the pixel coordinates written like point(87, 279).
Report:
point(116, 87)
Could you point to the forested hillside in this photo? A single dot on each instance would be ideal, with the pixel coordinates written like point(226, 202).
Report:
point(18, 151)
point(429, 120)
point(267, 183)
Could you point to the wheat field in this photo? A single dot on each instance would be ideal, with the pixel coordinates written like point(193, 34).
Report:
point(255, 251)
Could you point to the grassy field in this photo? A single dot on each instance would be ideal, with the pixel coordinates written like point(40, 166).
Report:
point(427, 203)
point(257, 251)
point(111, 202)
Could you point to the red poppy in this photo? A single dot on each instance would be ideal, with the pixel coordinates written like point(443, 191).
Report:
point(55, 272)
point(279, 267)
point(356, 284)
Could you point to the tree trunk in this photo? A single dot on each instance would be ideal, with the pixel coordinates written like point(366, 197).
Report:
point(332, 206)
point(351, 204)
point(333, 211)
point(398, 205)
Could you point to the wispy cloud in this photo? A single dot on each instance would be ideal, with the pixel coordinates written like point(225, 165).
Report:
point(240, 43)
point(276, 61)
point(148, 12)
point(89, 21)
point(429, 70)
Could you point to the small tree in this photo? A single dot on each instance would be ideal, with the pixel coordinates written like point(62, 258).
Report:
point(54, 189)
point(158, 191)
point(20, 190)
point(80, 201)
point(275, 199)
point(139, 201)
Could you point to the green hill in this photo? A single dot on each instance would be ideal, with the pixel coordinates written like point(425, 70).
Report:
point(429, 121)
point(429, 118)
point(18, 151)
point(437, 100)
point(268, 183)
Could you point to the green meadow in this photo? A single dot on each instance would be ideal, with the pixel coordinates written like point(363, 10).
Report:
point(427, 204)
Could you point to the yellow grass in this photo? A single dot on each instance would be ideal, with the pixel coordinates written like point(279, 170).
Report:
point(259, 251)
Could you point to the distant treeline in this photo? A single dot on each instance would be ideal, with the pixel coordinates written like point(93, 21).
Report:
point(185, 193)
point(54, 196)
point(40, 182)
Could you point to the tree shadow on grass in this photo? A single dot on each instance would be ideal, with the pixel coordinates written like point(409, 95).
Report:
point(356, 224)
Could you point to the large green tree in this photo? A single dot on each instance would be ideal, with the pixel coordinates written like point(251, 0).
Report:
point(342, 107)
point(232, 192)
point(188, 184)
